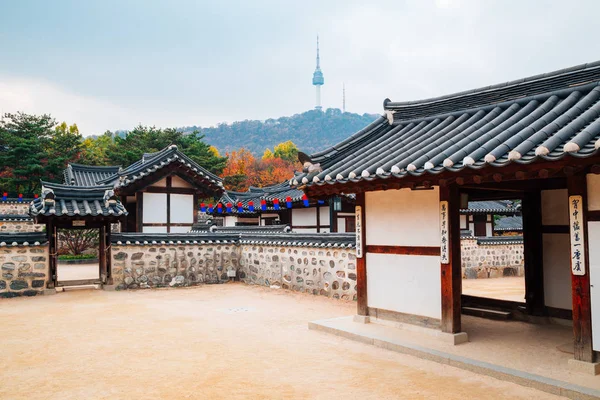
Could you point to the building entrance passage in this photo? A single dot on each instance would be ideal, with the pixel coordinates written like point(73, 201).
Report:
point(78, 257)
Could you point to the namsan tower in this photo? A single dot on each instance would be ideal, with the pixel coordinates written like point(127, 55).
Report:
point(318, 79)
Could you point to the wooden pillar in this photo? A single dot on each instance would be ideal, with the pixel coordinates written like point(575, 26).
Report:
point(169, 184)
point(196, 205)
point(318, 217)
point(332, 216)
point(123, 221)
point(52, 256)
point(533, 254)
point(139, 218)
point(580, 284)
point(451, 276)
point(102, 253)
point(109, 279)
point(361, 262)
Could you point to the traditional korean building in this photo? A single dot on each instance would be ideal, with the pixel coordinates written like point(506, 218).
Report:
point(413, 169)
point(478, 217)
point(282, 204)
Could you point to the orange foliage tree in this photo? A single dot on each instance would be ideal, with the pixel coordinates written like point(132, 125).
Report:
point(244, 170)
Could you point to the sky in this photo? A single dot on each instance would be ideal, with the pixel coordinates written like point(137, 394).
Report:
point(113, 64)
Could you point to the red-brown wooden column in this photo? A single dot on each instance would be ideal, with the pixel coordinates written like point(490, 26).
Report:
point(451, 277)
point(580, 284)
point(102, 253)
point(361, 262)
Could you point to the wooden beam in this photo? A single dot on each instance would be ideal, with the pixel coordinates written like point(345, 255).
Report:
point(533, 252)
point(595, 169)
point(451, 277)
point(407, 250)
point(520, 175)
point(52, 254)
point(543, 173)
point(103, 274)
point(477, 179)
point(580, 284)
point(361, 263)
point(169, 187)
point(497, 177)
point(139, 197)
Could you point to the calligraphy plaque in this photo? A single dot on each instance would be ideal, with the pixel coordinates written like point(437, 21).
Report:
point(444, 233)
point(577, 235)
point(359, 228)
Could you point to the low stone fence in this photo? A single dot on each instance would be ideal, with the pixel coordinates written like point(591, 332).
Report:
point(322, 264)
point(23, 264)
point(492, 257)
point(16, 224)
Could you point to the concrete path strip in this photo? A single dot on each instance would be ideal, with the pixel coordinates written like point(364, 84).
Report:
point(357, 332)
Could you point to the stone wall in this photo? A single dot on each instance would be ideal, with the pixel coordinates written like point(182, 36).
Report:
point(24, 270)
point(327, 272)
point(20, 226)
point(163, 265)
point(492, 259)
point(14, 208)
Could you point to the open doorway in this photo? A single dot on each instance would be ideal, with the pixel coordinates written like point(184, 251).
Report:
point(78, 261)
point(492, 250)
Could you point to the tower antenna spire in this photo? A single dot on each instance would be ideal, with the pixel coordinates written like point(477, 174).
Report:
point(318, 79)
point(343, 97)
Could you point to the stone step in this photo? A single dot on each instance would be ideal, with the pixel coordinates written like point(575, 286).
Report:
point(487, 313)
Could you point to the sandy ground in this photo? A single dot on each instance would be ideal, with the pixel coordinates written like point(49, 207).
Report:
point(73, 272)
point(227, 341)
point(509, 288)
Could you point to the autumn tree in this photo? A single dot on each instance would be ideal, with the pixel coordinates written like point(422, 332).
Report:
point(240, 171)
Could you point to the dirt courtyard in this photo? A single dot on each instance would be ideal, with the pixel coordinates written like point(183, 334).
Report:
point(228, 341)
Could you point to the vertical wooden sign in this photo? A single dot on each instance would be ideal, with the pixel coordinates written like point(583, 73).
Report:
point(444, 233)
point(359, 228)
point(577, 235)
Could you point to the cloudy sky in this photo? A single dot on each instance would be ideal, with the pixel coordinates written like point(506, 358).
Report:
point(111, 64)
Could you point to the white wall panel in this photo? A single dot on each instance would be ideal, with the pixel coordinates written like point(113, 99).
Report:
point(403, 217)
point(230, 220)
point(594, 267)
point(555, 207)
point(182, 208)
point(324, 215)
point(407, 284)
point(557, 270)
point(463, 222)
point(155, 208)
point(180, 229)
point(154, 229)
point(341, 225)
point(593, 192)
point(304, 216)
point(305, 230)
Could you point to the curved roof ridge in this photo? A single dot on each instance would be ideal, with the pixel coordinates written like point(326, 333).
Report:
point(94, 167)
point(392, 105)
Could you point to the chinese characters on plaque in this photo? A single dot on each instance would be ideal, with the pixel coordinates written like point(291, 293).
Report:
point(359, 228)
point(444, 251)
point(577, 238)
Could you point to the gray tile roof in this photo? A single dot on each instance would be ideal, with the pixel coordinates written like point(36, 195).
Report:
point(542, 117)
point(273, 229)
point(254, 194)
point(152, 162)
point(514, 223)
point(492, 207)
point(322, 240)
point(23, 239)
point(76, 201)
point(87, 175)
point(15, 218)
point(498, 240)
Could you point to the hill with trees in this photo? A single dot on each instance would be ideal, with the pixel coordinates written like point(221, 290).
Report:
point(311, 131)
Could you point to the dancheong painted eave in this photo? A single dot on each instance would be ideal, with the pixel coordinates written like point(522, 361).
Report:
point(544, 118)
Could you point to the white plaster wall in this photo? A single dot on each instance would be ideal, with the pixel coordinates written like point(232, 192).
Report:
point(593, 192)
point(304, 216)
point(180, 229)
point(557, 270)
point(341, 225)
point(305, 230)
point(229, 220)
point(324, 215)
point(155, 208)
point(406, 284)
point(179, 182)
point(463, 222)
point(182, 208)
point(154, 229)
point(161, 183)
point(403, 217)
point(488, 229)
point(594, 267)
point(555, 207)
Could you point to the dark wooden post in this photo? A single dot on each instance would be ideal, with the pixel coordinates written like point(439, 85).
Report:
point(109, 279)
point(332, 216)
point(169, 185)
point(361, 263)
point(102, 253)
point(580, 284)
point(533, 253)
point(139, 197)
point(196, 205)
point(52, 256)
point(318, 217)
point(123, 221)
point(451, 276)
